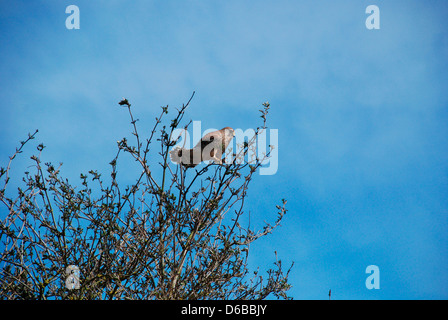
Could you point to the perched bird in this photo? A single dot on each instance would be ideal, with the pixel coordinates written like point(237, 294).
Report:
point(210, 147)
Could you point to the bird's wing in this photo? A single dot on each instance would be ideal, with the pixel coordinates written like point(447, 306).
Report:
point(208, 138)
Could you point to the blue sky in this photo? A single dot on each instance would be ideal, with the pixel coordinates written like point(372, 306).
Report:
point(361, 115)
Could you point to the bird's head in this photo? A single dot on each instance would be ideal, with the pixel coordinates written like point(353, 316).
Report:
point(228, 131)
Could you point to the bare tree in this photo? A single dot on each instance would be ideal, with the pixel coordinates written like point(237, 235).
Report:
point(175, 237)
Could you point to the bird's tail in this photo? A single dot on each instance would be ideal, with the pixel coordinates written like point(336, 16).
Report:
point(176, 155)
point(182, 156)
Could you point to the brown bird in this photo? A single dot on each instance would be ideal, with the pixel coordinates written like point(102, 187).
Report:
point(210, 147)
